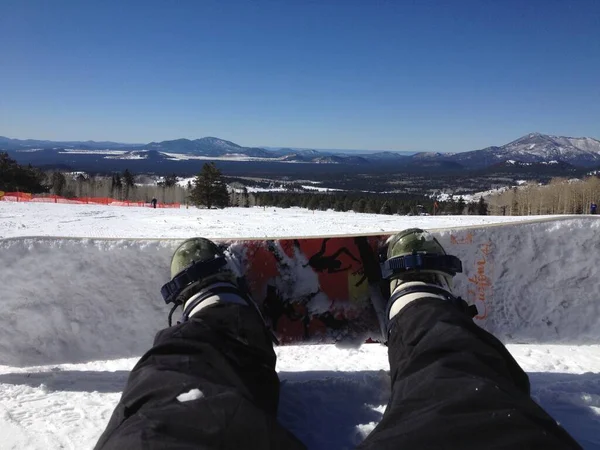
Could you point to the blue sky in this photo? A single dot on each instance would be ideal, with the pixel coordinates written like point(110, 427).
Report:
point(370, 74)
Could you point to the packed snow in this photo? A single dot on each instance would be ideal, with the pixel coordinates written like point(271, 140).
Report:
point(51, 219)
point(69, 337)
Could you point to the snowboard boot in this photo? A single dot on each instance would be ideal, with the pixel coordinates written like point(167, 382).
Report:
point(418, 267)
point(201, 276)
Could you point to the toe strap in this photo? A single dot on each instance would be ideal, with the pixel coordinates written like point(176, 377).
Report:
point(191, 274)
point(422, 261)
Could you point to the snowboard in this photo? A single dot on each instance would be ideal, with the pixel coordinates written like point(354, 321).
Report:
point(315, 289)
point(524, 279)
point(71, 299)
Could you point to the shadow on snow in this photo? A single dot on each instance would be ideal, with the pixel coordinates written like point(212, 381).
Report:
point(329, 409)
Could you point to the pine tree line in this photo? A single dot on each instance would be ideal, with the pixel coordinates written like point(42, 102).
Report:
point(14, 177)
point(357, 202)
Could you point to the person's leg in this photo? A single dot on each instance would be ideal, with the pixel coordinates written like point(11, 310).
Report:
point(207, 383)
point(454, 385)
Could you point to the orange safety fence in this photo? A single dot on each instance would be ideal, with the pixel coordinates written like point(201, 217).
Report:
point(37, 198)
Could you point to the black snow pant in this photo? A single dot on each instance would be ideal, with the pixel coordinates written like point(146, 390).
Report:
point(453, 386)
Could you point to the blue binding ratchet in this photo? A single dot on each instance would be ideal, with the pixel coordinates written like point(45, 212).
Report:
point(194, 272)
point(422, 261)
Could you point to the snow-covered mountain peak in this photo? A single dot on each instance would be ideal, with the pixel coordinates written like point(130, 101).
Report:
point(542, 147)
point(217, 142)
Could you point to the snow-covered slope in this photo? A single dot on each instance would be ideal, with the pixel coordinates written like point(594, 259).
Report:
point(76, 316)
point(48, 219)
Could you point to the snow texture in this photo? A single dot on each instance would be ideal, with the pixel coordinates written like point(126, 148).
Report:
point(51, 219)
point(77, 314)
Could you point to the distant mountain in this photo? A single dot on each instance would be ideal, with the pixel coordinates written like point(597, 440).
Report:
point(149, 155)
point(384, 156)
point(340, 159)
point(534, 148)
point(294, 157)
point(177, 150)
point(298, 151)
point(531, 170)
point(18, 144)
point(430, 155)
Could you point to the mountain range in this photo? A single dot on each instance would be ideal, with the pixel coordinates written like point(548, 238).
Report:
point(534, 148)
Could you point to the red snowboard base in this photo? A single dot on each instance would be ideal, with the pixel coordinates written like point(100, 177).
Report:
point(315, 290)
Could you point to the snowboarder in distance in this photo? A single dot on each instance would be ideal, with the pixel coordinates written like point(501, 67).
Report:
point(154, 202)
point(209, 382)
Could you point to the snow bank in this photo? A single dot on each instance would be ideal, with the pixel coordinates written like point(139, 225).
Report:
point(77, 300)
point(532, 282)
point(72, 300)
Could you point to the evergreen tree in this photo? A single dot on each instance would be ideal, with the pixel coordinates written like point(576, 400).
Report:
point(59, 183)
point(347, 203)
point(385, 209)
point(209, 188)
point(245, 198)
point(313, 203)
point(450, 206)
point(80, 181)
point(324, 204)
point(170, 180)
point(482, 207)
point(460, 205)
point(359, 206)
point(129, 182)
point(14, 177)
point(116, 185)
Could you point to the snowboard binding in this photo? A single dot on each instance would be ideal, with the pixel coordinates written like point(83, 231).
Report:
point(200, 271)
point(197, 270)
point(416, 266)
point(431, 262)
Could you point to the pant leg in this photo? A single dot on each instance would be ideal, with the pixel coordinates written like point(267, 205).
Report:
point(454, 385)
point(224, 359)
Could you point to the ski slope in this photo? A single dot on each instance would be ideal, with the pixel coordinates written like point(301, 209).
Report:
point(68, 337)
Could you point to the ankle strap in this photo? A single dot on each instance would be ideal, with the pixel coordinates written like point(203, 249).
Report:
point(211, 292)
point(457, 302)
point(422, 288)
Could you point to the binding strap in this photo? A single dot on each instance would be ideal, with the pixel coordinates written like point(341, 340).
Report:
point(198, 270)
point(458, 302)
point(215, 290)
point(422, 261)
